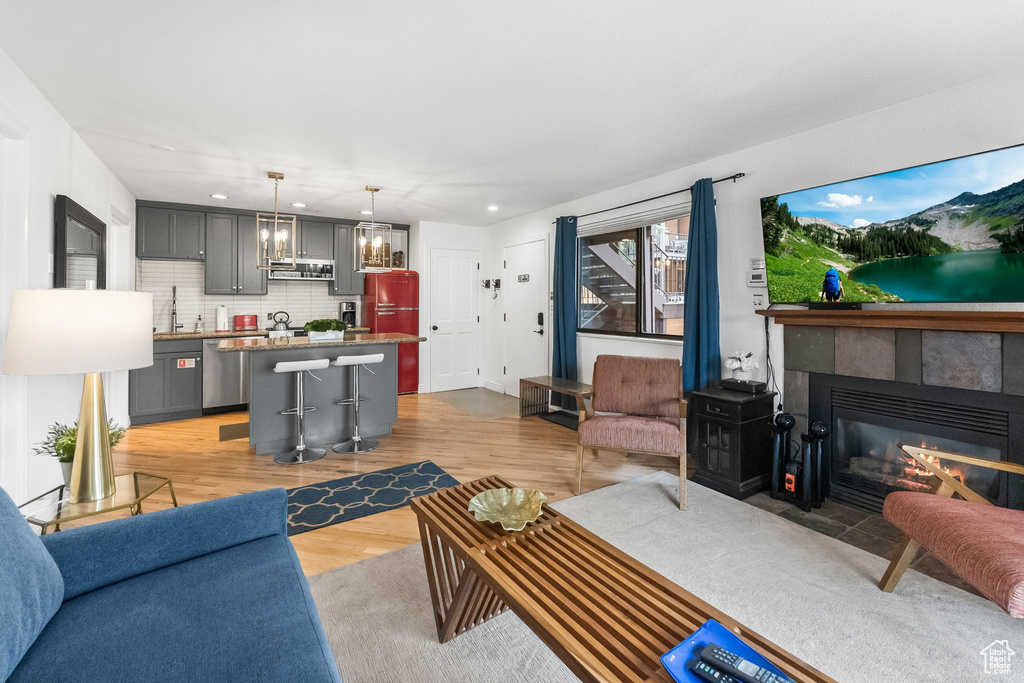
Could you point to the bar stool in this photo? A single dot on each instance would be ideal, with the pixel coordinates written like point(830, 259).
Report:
point(356, 444)
point(301, 453)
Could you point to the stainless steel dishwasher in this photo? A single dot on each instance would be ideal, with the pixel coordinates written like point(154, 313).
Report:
point(225, 376)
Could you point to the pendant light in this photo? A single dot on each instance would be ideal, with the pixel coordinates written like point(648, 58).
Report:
point(373, 242)
point(275, 235)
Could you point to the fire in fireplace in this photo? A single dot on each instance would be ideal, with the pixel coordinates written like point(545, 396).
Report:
point(872, 452)
point(868, 418)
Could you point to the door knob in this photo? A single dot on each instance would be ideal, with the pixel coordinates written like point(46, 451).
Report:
point(540, 332)
point(433, 327)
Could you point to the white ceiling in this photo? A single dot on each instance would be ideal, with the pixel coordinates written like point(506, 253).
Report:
point(453, 105)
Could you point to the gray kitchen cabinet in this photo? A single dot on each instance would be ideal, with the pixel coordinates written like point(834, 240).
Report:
point(251, 280)
point(316, 240)
point(172, 387)
point(346, 281)
point(163, 233)
point(231, 246)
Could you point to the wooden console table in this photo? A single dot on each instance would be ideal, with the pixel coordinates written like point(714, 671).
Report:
point(535, 393)
point(605, 615)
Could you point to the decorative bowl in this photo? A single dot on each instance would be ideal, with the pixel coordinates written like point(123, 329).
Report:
point(513, 509)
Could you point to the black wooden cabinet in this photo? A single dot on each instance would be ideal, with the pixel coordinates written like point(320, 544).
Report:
point(729, 438)
point(231, 253)
point(163, 233)
point(172, 387)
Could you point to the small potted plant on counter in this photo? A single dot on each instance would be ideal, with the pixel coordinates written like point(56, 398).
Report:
point(325, 329)
point(61, 440)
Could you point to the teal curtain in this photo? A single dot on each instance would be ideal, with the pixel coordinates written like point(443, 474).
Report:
point(563, 358)
point(702, 356)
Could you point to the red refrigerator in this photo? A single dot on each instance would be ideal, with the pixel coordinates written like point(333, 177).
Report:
point(391, 303)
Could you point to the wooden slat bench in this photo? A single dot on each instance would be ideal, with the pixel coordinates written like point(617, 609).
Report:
point(605, 615)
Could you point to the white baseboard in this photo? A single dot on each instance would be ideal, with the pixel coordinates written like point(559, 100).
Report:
point(494, 386)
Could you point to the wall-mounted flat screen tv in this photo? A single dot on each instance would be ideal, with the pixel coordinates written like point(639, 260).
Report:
point(951, 231)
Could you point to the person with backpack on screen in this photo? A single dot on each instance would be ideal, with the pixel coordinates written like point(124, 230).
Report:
point(832, 287)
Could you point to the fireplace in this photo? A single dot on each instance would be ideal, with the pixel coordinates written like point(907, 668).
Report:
point(867, 418)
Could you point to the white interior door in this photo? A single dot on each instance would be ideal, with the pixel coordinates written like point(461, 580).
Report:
point(454, 319)
point(524, 287)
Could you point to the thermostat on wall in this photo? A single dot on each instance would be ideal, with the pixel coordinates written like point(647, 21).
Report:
point(756, 278)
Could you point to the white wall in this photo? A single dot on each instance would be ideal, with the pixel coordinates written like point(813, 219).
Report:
point(44, 157)
point(974, 117)
point(423, 237)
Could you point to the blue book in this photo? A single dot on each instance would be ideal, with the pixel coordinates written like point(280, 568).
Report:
point(676, 659)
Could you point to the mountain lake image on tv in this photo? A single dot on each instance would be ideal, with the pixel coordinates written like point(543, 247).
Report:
point(951, 231)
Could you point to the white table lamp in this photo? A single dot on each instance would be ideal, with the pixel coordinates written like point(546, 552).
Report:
point(73, 331)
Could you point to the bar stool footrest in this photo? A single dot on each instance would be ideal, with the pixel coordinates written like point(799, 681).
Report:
point(295, 411)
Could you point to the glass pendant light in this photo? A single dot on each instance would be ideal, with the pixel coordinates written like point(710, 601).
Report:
point(373, 242)
point(275, 234)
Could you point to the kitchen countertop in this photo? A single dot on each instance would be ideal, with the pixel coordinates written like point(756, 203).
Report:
point(171, 336)
point(283, 343)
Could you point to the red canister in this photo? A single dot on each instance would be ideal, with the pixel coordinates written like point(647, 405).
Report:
point(245, 322)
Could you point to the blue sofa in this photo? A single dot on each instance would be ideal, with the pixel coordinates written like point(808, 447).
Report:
point(204, 592)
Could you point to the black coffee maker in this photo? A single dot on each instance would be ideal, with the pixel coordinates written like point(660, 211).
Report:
point(347, 314)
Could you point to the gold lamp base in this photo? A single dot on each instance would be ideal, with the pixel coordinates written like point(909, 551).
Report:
point(92, 476)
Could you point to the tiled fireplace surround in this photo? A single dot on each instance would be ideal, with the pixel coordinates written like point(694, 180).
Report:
point(980, 361)
point(990, 362)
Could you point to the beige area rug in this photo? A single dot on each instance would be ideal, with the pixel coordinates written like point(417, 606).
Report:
point(811, 594)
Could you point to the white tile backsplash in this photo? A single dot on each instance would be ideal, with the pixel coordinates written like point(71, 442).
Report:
point(304, 301)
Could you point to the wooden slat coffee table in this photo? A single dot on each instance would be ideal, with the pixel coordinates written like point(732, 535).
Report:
point(607, 616)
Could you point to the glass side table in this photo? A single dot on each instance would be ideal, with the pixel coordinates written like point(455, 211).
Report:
point(54, 507)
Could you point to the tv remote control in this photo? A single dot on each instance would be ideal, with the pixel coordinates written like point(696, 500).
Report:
point(706, 672)
point(736, 667)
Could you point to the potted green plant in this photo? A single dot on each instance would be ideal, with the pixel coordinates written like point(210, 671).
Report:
point(61, 440)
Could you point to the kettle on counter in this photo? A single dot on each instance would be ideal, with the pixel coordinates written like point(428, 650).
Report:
point(281, 324)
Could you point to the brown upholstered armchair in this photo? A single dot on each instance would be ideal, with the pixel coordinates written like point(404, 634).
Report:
point(645, 395)
point(982, 543)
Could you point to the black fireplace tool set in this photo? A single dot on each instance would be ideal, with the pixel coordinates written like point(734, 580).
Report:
point(798, 474)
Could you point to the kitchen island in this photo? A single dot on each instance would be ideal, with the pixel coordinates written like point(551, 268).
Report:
point(271, 392)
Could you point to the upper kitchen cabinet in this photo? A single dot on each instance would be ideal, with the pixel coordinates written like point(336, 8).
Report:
point(164, 233)
point(231, 252)
point(316, 240)
point(346, 280)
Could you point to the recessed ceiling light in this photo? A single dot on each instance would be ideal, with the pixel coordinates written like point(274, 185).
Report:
point(298, 205)
point(492, 207)
point(366, 213)
point(220, 196)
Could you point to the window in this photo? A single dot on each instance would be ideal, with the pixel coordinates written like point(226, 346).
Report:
point(631, 281)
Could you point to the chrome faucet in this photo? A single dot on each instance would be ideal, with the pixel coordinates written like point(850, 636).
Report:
point(175, 325)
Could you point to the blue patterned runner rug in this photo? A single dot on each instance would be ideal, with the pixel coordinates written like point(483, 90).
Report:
point(330, 502)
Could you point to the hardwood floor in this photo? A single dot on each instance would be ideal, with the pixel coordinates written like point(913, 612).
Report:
point(476, 435)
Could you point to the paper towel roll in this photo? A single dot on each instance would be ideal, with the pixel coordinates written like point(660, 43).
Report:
point(222, 319)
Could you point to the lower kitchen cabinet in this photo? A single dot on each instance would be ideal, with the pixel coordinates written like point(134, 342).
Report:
point(171, 388)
